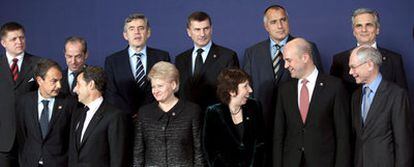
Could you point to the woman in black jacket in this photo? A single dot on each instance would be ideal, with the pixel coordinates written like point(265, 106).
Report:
point(167, 131)
point(233, 129)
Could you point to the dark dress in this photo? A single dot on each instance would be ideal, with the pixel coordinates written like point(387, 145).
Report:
point(168, 138)
point(222, 143)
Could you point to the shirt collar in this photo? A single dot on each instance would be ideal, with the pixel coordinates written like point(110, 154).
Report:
point(205, 48)
point(374, 84)
point(312, 77)
point(10, 57)
point(132, 52)
point(281, 43)
point(93, 106)
point(374, 45)
point(41, 98)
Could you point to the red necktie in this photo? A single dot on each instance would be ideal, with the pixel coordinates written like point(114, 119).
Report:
point(15, 69)
point(304, 100)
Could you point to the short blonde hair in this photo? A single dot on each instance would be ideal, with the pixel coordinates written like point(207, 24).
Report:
point(165, 71)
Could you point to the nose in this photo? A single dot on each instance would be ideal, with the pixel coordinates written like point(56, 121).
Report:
point(250, 90)
point(279, 24)
point(350, 71)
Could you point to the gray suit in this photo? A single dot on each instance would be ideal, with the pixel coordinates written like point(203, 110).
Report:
point(386, 139)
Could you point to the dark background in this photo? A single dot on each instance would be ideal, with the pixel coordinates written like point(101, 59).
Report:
point(237, 24)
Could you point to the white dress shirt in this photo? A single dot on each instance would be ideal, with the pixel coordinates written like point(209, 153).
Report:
point(204, 54)
point(19, 58)
point(310, 85)
point(93, 107)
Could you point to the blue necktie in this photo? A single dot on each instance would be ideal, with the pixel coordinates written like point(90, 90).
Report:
point(44, 118)
point(366, 103)
point(139, 71)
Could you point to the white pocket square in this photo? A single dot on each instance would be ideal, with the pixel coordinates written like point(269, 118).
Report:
point(31, 80)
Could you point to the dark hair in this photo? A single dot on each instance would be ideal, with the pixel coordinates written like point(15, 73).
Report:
point(198, 16)
point(74, 39)
point(96, 74)
point(275, 7)
point(43, 65)
point(10, 26)
point(228, 81)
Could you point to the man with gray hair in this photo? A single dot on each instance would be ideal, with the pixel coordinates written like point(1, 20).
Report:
point(381, 115)
point(128, 88)
point(366, 28)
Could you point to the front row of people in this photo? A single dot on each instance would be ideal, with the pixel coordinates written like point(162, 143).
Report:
point(313, 123)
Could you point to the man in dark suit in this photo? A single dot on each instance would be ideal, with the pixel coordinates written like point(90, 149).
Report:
point(365, 23)
point(99, 132)
point(16, 78)
point(259, 60)
point(76, 53)
point(44, 120)
point(312, 123)
point(200, 65)
point(128, 88)
point(381, 115)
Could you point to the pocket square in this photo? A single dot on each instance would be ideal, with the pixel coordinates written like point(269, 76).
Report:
point(31, 80)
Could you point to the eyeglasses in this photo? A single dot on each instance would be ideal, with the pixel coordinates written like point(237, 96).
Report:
point(355, 67)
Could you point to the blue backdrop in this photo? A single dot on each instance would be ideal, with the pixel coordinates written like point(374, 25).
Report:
point(237, 24)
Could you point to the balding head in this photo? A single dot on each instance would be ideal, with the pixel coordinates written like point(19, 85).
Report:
point(298, 58)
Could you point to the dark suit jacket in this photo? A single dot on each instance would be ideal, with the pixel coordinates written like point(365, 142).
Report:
point(9, 93)
point(53, 148)
point(392, 68)
point(221, 142)
point(105, 142)
point(202, 90)
point(168, 138)
point(324, 139)
point(386, 139)
point(258, 64)
point(122, 90)
point(65, 84)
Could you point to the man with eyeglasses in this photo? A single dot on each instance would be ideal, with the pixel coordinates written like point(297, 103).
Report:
point(366, 27)
point(381, 116)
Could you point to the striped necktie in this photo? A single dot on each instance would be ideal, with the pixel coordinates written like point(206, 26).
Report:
point(277, 60)
point(139, 70)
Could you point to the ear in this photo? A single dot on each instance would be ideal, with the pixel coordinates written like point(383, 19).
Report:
point(371, 65)
point(39, 80)
point(232, 93)
point(149, 32)
point(125, 35)
point(188, 32)
point(86, 55)
point(91, 85)
point(3, 43)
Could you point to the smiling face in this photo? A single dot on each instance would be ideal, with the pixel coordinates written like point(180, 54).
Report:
point(163, 90)
point(49, 86)
point(360, 70)
point(200, 32)
point(137, 33)
point(243, 92)
point(74, 55)
point(276, 24)
point(365, 29)
point(294, 62)
point(14, 42)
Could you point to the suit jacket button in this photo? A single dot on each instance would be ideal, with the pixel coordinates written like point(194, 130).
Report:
point(163, 128)
point(173, 114)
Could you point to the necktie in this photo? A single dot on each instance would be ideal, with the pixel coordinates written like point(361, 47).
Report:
point(44, 118)
point(139, 71)
point(74, 75)
point(366, 103)
point(304, 100)
point(277, 60)
point(198, 62)
point(15, 69)
point(80, 125)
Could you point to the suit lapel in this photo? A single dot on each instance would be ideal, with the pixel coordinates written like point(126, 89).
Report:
point(377, 102)
point(357, 111)
point(35, 115)
point(228, 122)
point(93, 123)
point(212, 56)
point(57, 110)
point(5, 70)
point(125, 65)
point(317, 92)
point(293, 97)
point(24, 69)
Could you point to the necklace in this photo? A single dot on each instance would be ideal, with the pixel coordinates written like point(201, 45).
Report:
point(236, 112)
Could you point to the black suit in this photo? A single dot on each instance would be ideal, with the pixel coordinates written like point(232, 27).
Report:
point(392, 68)
point(53, 148)
point(258, 64)
point(122, 89)
point(386, 139)
point(324, 139)
point(10, 91)
point(202, 89)
point(222, 143)
point(105, 142)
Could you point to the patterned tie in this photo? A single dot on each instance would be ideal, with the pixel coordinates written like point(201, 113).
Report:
point(15, 69)
point(139, 70)
point(44, 118)
point(304, 100)
point(277, 60)
point(366, 103)
point(198, 62)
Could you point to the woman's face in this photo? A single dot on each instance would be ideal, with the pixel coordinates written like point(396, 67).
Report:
point(163, 90)
point(243, 92)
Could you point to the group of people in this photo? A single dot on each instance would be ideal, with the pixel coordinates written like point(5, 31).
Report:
point(277, 109)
